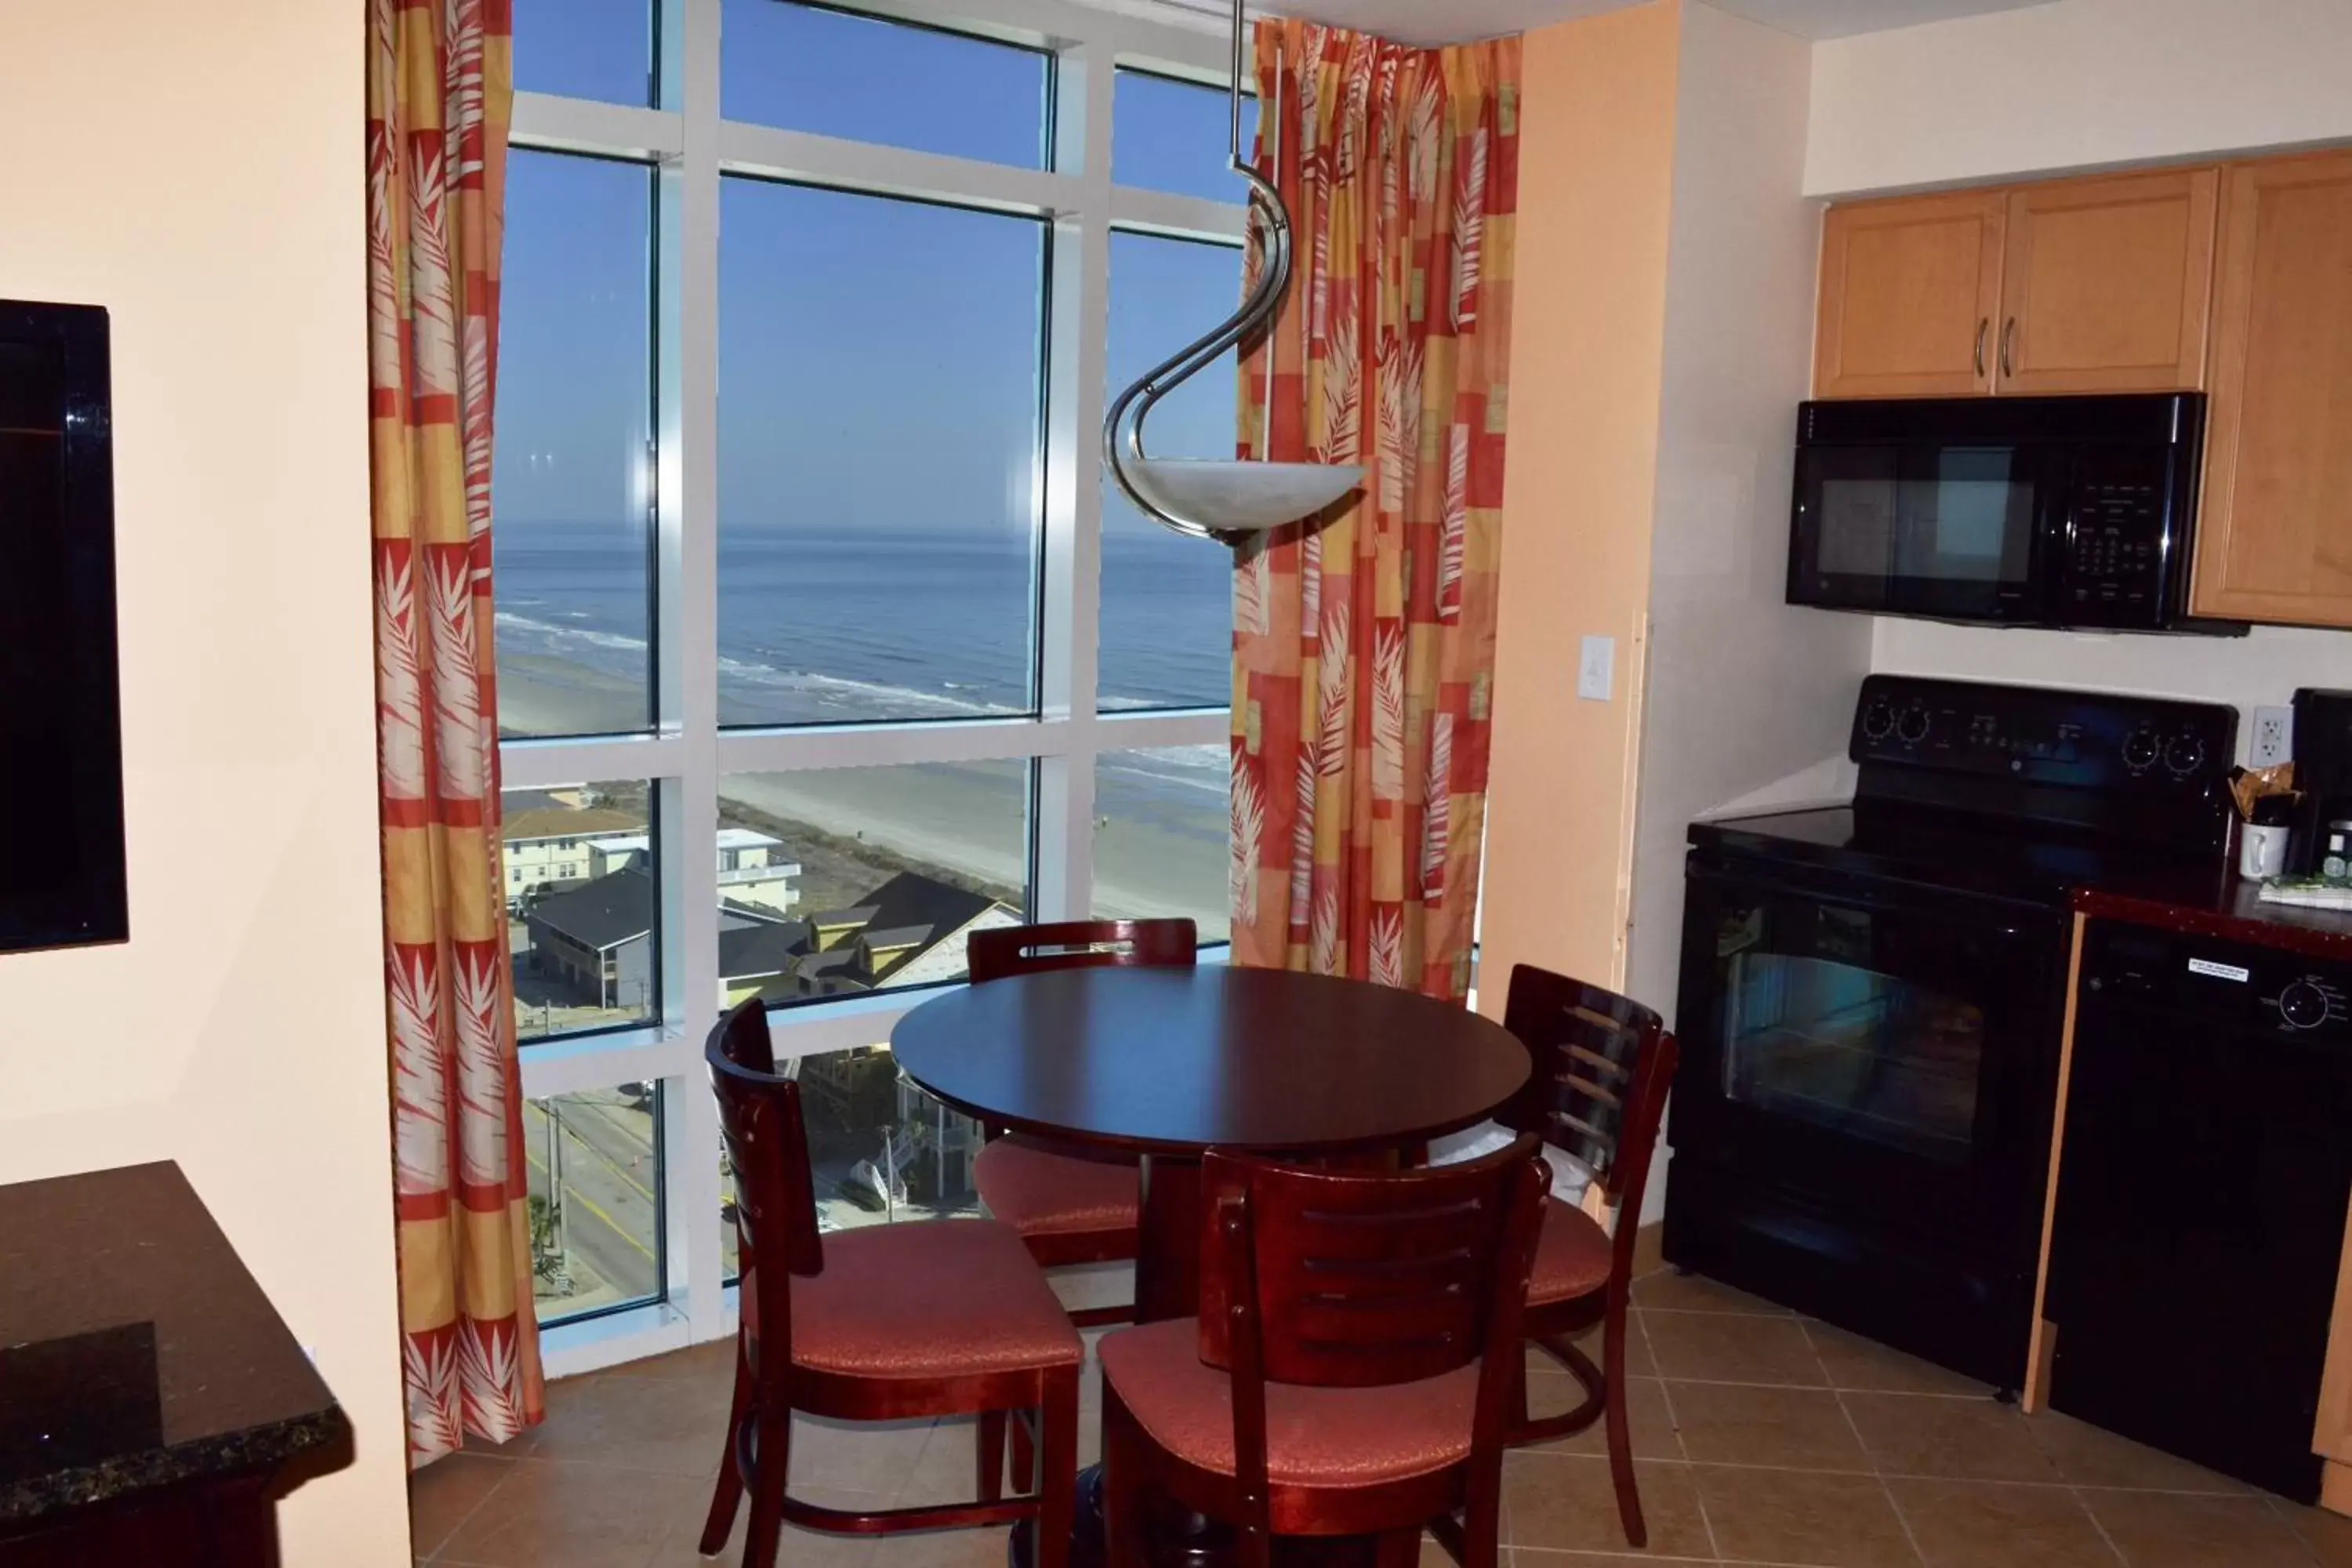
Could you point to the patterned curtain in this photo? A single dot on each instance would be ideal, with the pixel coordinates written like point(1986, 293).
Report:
point(439, 92)
point(1364, 647)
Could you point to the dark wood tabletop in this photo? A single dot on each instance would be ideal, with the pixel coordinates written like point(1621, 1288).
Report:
point(1173, 1061)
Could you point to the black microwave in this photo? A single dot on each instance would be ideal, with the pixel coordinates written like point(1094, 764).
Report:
point(2020, 511)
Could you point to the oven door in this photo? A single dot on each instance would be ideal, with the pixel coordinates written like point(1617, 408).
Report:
point(1959, 531)
point(1861, 1121)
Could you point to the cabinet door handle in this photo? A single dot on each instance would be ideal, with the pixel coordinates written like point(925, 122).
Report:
point(2008, 347)
point(1983, 323)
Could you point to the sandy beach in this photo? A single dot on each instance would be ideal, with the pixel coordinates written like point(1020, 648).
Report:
point(1161, 854)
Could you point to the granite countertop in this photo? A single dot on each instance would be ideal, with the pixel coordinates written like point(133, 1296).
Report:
point(135, 1351)
point(2230, 909)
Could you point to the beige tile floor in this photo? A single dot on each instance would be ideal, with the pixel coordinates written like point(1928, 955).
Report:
point(1762, 1438)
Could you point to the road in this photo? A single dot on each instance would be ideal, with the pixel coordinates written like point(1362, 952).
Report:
point(609, 1211)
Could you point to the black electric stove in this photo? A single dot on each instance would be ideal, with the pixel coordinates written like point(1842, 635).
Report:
point(1872, 995)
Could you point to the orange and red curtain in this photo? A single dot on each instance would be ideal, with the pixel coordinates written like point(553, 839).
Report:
point(440, 88)
point(1364, 641)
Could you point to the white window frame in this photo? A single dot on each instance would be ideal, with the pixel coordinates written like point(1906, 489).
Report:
point(686, 754)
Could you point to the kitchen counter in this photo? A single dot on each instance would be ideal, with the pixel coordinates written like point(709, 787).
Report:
point(143, 1375)
point(2228, 909)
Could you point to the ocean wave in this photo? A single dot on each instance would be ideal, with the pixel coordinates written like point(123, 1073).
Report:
point(904, 702)
point(552, 633)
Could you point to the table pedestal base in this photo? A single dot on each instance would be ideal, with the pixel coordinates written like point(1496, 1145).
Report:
point(1181, 1538)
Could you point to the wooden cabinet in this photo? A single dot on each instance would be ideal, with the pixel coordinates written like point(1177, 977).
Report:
point(2105, 284)
point(2275, 529)
point(2090, 285)
point(1909, 290)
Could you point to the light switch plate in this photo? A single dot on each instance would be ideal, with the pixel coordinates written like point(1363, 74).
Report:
point(1596, 668)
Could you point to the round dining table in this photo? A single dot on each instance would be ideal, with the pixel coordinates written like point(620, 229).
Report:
point(1168, 1062)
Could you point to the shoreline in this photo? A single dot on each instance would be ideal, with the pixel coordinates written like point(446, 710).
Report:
point(1152, 857)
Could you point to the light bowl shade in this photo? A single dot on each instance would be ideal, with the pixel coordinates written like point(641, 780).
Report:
point(1239, 497)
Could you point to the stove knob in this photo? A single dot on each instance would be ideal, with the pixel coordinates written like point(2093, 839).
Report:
point(1877, 720)
point(1913, 725)
point(2141, 749)
point(2303, 1005)
point(2184, 755)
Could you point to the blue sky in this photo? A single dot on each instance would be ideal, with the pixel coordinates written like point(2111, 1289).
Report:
point(878, 359)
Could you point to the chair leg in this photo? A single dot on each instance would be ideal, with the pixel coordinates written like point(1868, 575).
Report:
point(771, 1463)
point(1481, 1545)
point(1056, 1481)
point(989, 1443)
point(1025, 1459)
point(1125, 1540)
point(1621, 1440)
point(727, 1492)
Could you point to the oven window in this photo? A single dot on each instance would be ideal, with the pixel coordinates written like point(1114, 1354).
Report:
point(1837, 1040)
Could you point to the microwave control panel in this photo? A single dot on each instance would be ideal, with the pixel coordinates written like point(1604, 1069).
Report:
point(2118, 558)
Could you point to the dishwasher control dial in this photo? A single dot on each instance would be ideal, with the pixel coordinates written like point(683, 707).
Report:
point(2305, 1005)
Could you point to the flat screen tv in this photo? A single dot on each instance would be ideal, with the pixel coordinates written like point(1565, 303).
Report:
point(61, 874)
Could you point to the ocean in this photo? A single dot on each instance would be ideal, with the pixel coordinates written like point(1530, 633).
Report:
point(888, 625)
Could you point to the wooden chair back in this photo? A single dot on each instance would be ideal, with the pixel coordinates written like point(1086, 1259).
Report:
point(767, 1144)
point(1081, 944)
point(1362, 1279)
point(1589, 1048)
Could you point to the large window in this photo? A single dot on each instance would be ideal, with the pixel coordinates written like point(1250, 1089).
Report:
point(805, 560)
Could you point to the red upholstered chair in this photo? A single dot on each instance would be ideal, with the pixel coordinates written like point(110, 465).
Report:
point(1602, 1067)
point(942, 1318)
point(1070, 1204)
point(1352, 1368)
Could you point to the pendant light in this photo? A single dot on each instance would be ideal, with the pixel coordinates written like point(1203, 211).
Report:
point(1232, 501)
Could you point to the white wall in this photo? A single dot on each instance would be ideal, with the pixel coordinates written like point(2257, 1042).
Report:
point(2074, 84)
point(198, 171)
point(1744, 693)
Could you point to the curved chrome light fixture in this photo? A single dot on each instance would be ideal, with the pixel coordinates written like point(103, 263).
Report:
point(1232, 501)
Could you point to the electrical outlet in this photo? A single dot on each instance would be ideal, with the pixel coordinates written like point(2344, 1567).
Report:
point(2273, 737)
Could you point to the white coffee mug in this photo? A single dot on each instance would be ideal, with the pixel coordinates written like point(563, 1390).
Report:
point(2262, 851)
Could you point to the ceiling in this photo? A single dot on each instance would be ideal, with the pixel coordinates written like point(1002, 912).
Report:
point(1453, 21)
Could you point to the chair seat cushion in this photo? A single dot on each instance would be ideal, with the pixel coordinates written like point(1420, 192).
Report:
point(1041, 1188)
point(950, 1297)
point(1572, 1256)
point(1314, 1436)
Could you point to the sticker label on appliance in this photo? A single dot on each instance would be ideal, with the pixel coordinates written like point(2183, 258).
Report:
point(2218, 971)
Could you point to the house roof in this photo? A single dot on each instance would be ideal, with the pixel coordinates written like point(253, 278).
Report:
point(603, 913)
point(912, 908)
point(751, 948)
point(562, 822)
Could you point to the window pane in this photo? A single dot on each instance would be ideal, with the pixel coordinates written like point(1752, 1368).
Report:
point(1169, 135)
point(880, 1149)
point(1167, 600)
point(897, 865)
point(594, 1165)
point(879, 443)
point(804, 69)
point(582, 914)
point(571, 478)
point(585, 49)
point(1162, 829)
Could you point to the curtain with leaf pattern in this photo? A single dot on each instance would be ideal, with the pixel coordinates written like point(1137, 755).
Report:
point(1364, 642)
point(439, 92)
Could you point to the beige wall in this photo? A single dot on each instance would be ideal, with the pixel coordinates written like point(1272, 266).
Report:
point(2076, 83)
point(1596, 150)
point(197, 170)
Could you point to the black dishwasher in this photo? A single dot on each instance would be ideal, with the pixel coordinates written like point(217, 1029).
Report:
point(2201, 1199)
